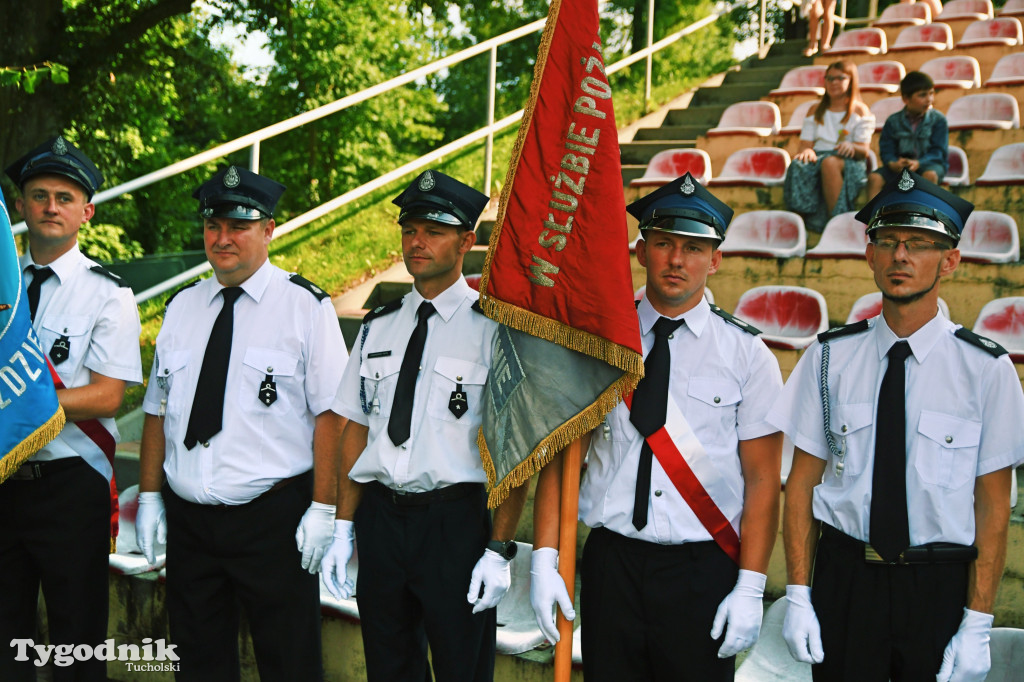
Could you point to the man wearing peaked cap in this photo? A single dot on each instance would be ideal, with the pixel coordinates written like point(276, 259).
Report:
point(669, 593)
point(239, 443)
point(899, 499)
point(412, 486)
point(55, 511)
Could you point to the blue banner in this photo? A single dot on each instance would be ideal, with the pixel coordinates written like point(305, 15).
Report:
point(30, 416)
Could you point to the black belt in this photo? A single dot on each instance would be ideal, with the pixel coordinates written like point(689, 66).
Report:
point(931, 553)
point(403, 499)
point(30, 471)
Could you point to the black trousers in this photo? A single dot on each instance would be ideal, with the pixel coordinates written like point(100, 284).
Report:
point(881, 622)
point(415, 564)
point(223, 559)
point(647, 609)
point(55, 532)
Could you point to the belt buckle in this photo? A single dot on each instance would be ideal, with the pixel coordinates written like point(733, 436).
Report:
point(871, 556)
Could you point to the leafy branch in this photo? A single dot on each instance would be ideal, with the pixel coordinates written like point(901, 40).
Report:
point(28, 77)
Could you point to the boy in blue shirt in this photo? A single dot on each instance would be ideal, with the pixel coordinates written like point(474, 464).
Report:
point(915, 137)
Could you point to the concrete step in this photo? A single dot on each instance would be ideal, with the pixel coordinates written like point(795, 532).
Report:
point(760, 75)
point(730, 94)
point(687, 132)
point(695, 115)
point(641, 152)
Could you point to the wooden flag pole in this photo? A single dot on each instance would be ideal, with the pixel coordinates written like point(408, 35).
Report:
point(568, 512)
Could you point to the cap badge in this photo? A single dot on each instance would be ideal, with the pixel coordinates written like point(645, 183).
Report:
point(906, 182)
point(231, 178)
point(59, 147)
point(427, 182)
point(687, 187)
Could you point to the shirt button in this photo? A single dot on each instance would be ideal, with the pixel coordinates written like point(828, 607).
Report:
point(270, 370)
point(843, 428)
point(717, 399)
point(405, 447)
point(949, 439)
point(671, 336)
point(657, 493)
point(458, 378)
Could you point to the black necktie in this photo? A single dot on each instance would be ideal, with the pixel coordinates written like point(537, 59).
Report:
point(401, 408)
point(890, 529)
point(207, 415)
point(39, 275)
point(650, 403)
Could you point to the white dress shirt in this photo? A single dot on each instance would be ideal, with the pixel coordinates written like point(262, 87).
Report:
point(723, 380)
point(280, 329)
point(101, 322)
point(964, 412)
point(441, 449)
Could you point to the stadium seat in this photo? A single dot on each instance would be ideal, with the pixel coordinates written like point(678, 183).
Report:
point(753, 166)
point(998, 31)
point(958, 175)
point(884, 108)
point(959, 71)
point(934, 36)
point(1002, 320)
point(749, 118)
point(858, 41)
point(990, 237)
point(1009, 70)
point(843, 237)
point(1007, 651)
point(1005, 166)
point(669, 164)
point(473, 281)
point(986, 111)
point(1011, 8)
point(802, 80)
point(802, 111)
point(773, 234)
point(904, 14)
point(883, 76)
point(128, 560)
point(789, 317)
point(965, 9)
point(769, 660)
point(870, 305)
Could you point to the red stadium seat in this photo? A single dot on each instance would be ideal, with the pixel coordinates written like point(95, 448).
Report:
point(667, 165)
point(990, 237)
point(843, 237)
point(986, 111)
point(749, 118)
point(1009, 70)
point(473, 281)
point(882, 76)
point(802, 80)
point(858, 41)
point(884, 108)
point(1005, 166)
point(998, 31)
point(754, 166)
point(932, 36)
point(802, 111)
point(772, 234)
point(904, 14)
point(959, 71)
point(1012, 8)
point(789, 317)
point(958, 174)
point(1002, 320)
point(870, 305)
point(966, 9)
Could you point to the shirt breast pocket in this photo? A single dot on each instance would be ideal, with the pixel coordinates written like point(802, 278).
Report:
point(713, 401)
point(65, 339)
point(456, 380)
point(172, 377)
point(850, 424)
point(261, 367)
point(378, 378)
point(946, 449)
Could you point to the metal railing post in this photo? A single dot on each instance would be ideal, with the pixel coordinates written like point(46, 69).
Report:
point(650, 55)
point(254, 157)
point(760, 29)
point(492, 87)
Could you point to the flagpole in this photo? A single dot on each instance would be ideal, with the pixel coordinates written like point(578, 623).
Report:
point(567, 553)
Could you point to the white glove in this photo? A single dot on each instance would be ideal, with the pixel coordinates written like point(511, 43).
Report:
point(547, 589)
point(801, 629)
point(967, 657)
point(743, 609)
point(150, 524)
point(495, 575)
point(334, 568)
point(314, 534)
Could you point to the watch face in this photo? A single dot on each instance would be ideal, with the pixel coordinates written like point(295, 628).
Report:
point(511, 548)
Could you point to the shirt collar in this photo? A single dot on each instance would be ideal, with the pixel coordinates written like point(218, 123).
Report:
point(921, 342)
point(449, 300)
point(255, 286)
point(696, 318)
point(63, 267)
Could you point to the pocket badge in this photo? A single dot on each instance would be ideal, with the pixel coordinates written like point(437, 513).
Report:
point(457, 403)
point(268, 391)
point(61, 350)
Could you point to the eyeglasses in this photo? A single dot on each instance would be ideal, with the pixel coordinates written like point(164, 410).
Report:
point(832, 79)
point(914, 245)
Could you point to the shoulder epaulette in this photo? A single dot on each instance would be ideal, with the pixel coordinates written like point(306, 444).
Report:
point(389, 307)
point(987, 345)
point(309, 286)
point(844, 330)
point(180, 289)
point(735, 321)
point(118, 279)
point(636, 303)
point(476, 306)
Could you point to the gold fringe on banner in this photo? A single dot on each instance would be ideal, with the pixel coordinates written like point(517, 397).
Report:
point(32, 444)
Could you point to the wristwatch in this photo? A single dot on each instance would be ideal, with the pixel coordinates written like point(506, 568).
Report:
point(506, 550)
